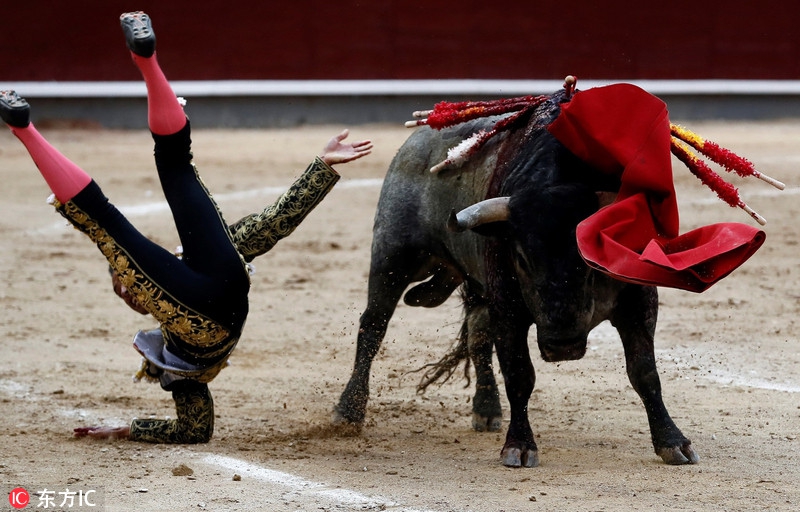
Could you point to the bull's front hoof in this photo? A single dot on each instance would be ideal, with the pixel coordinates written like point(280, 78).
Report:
point(341, 427)
point(677, 455)
point(482, 423)
point(514, 457)
point(339, 420)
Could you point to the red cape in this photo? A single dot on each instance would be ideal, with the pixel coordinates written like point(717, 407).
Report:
point(623, 130)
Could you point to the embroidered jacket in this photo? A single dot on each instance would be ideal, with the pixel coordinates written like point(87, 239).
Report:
point(257, 233)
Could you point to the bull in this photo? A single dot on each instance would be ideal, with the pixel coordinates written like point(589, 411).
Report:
point(511, 248)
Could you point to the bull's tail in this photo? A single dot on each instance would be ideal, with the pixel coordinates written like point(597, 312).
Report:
point(444, 369)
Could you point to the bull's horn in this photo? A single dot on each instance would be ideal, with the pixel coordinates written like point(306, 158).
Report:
point(489, 210)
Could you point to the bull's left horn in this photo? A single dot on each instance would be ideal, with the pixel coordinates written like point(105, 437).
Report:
point(489, 210)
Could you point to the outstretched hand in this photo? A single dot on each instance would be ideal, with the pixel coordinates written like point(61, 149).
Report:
point(103, 432)
point(337, 152)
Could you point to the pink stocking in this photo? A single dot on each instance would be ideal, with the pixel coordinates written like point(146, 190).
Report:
point(64, 178)
point(164, 114)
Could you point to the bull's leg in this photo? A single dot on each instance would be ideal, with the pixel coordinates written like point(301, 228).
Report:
point(635, 319)
point(515, 363)
point(487, 414)
point(352, 404)
point(388, 279)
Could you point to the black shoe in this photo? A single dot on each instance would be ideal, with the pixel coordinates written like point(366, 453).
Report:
point(14, 110)
point(139, 35)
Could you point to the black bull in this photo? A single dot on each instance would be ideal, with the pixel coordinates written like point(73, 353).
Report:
point(517, 261)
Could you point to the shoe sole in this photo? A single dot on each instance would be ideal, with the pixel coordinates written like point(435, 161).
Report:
point(139, 35)
point(14, 110)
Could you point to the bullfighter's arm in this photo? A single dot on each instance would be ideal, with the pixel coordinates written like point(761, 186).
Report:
point(257, 233)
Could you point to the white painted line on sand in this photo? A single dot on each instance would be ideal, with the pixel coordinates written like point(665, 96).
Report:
point(161, 206)
point(771, 192)
point(300, 487)
point(606, 333)
point(737, 379)
point(148, 208)
point(143, 209)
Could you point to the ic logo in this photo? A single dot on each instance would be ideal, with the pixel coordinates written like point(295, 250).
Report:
point(19, 498)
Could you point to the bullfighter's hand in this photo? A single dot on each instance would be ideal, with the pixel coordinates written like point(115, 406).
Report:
point(338, 152)
point(103, 432)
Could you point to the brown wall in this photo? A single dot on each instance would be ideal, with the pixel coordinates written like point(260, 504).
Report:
point(405, 39)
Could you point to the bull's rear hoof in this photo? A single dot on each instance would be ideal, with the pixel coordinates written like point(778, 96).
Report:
point(677, 455)
point(518, 457)
point(482, 423)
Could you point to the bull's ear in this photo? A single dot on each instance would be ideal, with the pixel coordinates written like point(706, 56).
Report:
point(605, 198)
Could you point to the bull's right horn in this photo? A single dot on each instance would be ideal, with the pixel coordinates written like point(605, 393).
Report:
point(489, 210)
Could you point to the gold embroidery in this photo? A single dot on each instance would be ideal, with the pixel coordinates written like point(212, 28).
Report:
point(257, 233)
point(188, 325)
point(194, 422)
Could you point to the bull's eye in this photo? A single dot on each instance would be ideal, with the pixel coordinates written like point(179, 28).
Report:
point(521, 258)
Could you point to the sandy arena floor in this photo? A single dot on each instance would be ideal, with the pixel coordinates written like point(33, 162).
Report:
point(729, 358)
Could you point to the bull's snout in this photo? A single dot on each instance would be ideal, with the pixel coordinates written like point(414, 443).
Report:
point(570, 349)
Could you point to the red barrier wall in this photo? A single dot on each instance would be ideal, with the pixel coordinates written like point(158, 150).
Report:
point(406, 39)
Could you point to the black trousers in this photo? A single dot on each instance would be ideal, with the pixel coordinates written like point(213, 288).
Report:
point(201, 298)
